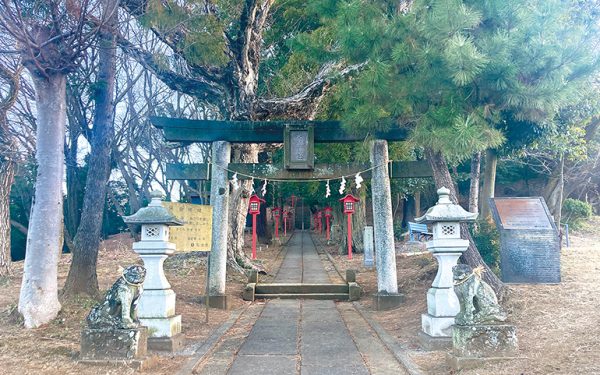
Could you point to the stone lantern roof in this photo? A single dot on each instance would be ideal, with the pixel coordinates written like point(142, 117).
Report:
point(445, 210)
point(154, 213)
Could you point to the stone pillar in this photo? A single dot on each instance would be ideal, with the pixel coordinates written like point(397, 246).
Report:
point(387, 296)
point(446, 246)
point(368, 243)
point(219, 200)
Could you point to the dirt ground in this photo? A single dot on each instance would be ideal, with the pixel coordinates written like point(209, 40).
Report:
point(557, 325)
point(54, 348)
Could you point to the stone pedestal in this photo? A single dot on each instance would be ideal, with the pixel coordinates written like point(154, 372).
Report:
point(442, 303)
point(115, 346)
point(387, 301)
point(218, 301)
point(368, 260)
point(473, 345)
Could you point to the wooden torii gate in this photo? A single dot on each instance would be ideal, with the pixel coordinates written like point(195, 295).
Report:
point(298, 166)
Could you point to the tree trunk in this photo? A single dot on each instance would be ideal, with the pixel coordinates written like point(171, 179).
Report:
point(82, 278)
point(553, 191)
point(238, 210)
point(475, 178)
point(471, 256)
point(8, 151)
point(263, 229)
point(417, 197)
point(7, 173)
point(74, 188)
point(38, 299)
point(489, 184)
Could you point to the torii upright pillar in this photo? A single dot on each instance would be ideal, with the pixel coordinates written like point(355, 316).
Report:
point(387, 296)
point(219, 200)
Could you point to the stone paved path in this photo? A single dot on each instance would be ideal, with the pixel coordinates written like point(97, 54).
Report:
point(301, 336)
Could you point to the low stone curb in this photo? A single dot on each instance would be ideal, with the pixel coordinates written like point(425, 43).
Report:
point(200, 349)
point(393, 346)
point(396, 348)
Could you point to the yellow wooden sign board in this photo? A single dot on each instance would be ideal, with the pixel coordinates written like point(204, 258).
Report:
point(196, 233)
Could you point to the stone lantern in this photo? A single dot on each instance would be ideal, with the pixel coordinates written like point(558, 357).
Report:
point(446, 246)
point(156, 309)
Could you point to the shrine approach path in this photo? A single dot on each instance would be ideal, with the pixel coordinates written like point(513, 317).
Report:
point(296, 336)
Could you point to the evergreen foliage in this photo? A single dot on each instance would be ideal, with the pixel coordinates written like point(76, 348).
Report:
point(487, 239)
point(464, 75)
point(575, 212)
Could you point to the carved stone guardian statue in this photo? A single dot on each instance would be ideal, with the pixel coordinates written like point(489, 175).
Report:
point(480, 333)
point(478, 302)
point(113, 332)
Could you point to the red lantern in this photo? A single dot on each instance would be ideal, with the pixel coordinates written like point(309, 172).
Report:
point(348, 205)
point(348, 201)
point(276, 211)
point(254, 206)
point(254, 209)
point(285, 220)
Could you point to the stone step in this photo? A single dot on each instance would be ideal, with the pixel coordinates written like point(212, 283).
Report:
point(301, 288)
point(320, 296)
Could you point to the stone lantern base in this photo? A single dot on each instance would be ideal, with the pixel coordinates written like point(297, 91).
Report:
point(436, 332)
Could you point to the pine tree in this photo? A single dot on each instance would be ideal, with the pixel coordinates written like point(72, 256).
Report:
point(462, 75)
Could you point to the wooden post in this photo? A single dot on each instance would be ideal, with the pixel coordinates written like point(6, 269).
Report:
point(253, 236)
point(349, 236)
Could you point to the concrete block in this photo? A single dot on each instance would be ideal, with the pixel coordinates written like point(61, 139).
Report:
point(253, 276)
point(387, 301)
point(350, 276)
point(465, 363)
point(434, 343)
point(249, 292)
point(167, 344)
point(217, 301)
point(354, 291)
